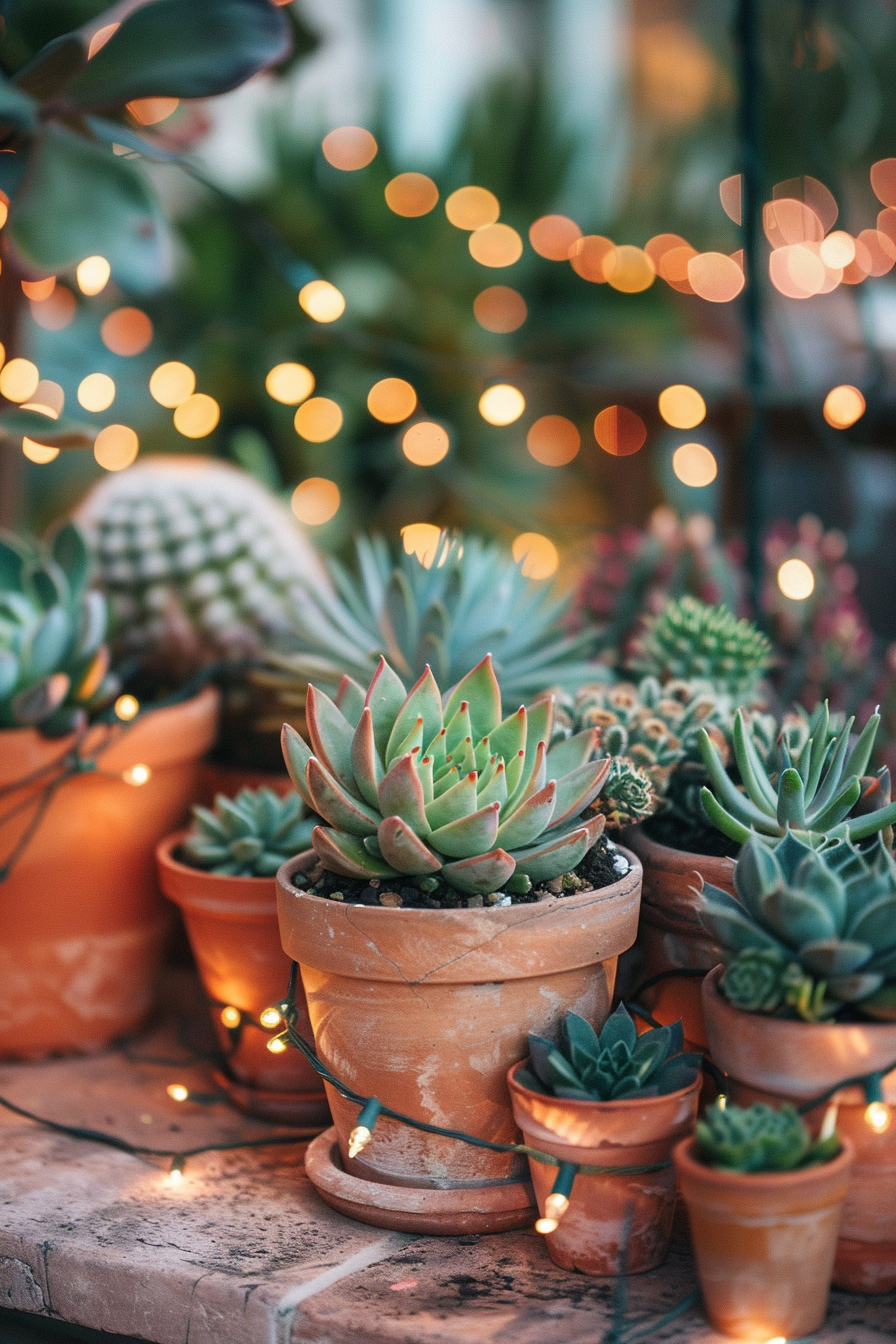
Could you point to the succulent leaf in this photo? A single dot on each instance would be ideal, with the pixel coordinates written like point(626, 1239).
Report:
point(250, 835)
point(759, 1138)
point(402, 847)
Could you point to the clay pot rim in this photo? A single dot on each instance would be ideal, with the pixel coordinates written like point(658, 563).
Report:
point(165, 855)
point(610, 892)
point(687, 854)
point(687, 1164)
point(204, 693)
point(616, 1105)
point(710, 985)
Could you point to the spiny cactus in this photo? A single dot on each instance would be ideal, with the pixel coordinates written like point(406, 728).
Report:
point(198, 560)
point(53, 661)
point(250, 835)
point(759, 1138)
point(690, 640)
point(823, 792)
point(407, 787)
point(811, 929)
point(617, 1062)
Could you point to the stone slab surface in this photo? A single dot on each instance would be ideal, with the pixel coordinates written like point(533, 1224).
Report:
point(242, 1251)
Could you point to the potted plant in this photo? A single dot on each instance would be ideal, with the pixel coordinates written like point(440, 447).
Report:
point(222, 875)
point(86, 791)
point(764, 1203)
point(611, 1099)
point(456, 899)
point(805, 1001)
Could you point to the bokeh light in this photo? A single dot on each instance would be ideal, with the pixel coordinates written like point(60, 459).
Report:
point(837, 250)
point(422, 540)
point(472, 208)
point(886, 223)
point(425, 443)
point(588, 257)
point(172, 383)
point(796, 272)
point(318, 420)
point(501, 404)
point(150, 111)
point(629, 269)
point(126, 331)
point(860, 266)
point(495, 245)
point(796, 580)
point(673, 267)
point(391, 400)
point(289, 383)
point(788, 221)
point(694, 465)
point(411, 194)
point(661, 243)
point(4, 208)
point(536, 555)
point(500, 308)
point(41, 453)
point(552, 236)
point(48, 396)
point(883, 181)
point(93, 275)
point(56, 312)
point(322, 301)
point(19, 379)
point(116, 447)
point(315, 500)
point(39, 290)
point(100, 38)
point(820, 200)
point(843, 406)
point(881, 250)
point(197, 416)
point(349, 148)
point(682, 406)
point(730, 191)
point(96, 392)
point(553, 440)
point(620, 431)
point(715, 277)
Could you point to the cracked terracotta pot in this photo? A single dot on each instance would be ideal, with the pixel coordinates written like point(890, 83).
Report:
point(426, 1010)
point(82, 922)
point(670, 936)
point(764, 1242)
point(232, 926)
point(633, 1131)
point(773, 1059)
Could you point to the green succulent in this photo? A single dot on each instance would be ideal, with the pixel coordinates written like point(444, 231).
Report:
point(250, 835)
point(689, 639)
point(614, 1063)
point(627, 797)
point(53, 659)
point(408, 787)
point(759, 1138)
point(811, 928)
point(472, 599)
point(822, 792)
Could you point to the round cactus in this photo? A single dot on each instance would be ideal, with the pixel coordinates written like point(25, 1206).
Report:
point(688, 639)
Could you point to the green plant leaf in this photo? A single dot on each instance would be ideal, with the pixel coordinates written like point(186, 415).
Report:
point(405, 850)
point(332, 802)
point(483, 874)
point(346, 854)
point(480, 688)
point(17, 108)
point(468, 836)
point(62, 433)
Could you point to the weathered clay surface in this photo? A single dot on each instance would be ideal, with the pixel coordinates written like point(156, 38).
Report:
point(244, 1252)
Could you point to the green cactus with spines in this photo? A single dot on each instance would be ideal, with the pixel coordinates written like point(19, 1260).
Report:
point(614, 1063)
point(250, 835)
point(409, 786)
point(54, 663)
point(690, 640)
point(811, 929)
point(759, 1138)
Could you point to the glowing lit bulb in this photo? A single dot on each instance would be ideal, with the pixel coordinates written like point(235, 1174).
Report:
point(843, 406)
point(546, 1225)
point(694, 465)
point(837, 250)
point(556, 1205)
point(137, 775)
point(93, 275)
point(270, 1018)
point(96, 392)
point(289, 383)
point(231, 1017)
point(796, 580)
point(177, 1091)
point(358, 1140)
point(277, 1045)
point(172, 383)
point(322, 301)
point(829, 1122)
point(501, 404)
point(176, 1174)
point(722, 1101)
point(127, 707)
point(878, 1116)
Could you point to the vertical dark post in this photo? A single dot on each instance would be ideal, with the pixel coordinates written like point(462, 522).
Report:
point(746, 37)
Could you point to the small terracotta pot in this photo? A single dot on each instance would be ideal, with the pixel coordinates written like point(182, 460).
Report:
point(772, 1059)
point(82, 923)
point(670, 935)
point(638, 1131)
point(232, 926)
point(764, 1242)
point(427, 1009)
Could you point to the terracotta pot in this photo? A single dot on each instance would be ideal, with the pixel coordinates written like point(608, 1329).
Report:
point(670, 936)
point(215, 778)
point(764, 1242)
point(232, 926)
point(427, 1009)
point(82, 924)
point(772, 1059)
point(637, 1131)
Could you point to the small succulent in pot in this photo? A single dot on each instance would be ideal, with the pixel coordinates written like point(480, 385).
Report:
point(689, 639)
point(409, 787)
point(760, 1138)
point(627, 797)
point(250, 835)
point(811, 931)
point(614, 1063)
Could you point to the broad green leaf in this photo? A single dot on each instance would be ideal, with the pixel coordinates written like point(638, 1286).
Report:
point(62, 433)
point(405, 850)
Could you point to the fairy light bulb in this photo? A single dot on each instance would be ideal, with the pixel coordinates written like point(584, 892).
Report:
point(127, 707)
point(270, 1017)
point(363, 1130)
point(277, 1045)
point(177, 1091)
point(176, 1174)
point(796, 579)
point(231, 1017)
point(878, 1116)
point(829, 1122)
point(557, 1202)
point(93, 275)
point(721, 1101)
point(137, 775)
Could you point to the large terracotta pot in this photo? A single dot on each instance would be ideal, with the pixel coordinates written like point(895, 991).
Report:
point(764, 1242)
point(635, 1131)
point(772, 1059)
point(670, 935)
point(426, 1010)
point(82, 923)
point(232, 926)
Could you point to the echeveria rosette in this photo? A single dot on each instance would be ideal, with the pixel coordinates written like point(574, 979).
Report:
point(410, 787)
point(627, 797)
point(827, 914)
point(759, 1138)
point(250, 835)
